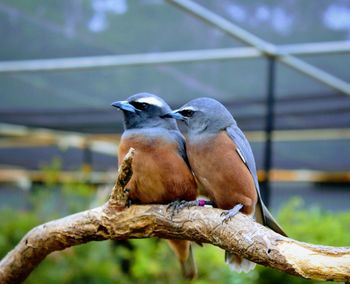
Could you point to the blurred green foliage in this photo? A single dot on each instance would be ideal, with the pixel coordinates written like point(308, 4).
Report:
point(150, 260)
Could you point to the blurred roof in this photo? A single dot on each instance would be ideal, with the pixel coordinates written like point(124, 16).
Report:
point(80, 100)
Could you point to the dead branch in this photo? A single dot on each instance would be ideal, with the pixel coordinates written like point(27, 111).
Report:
point(113, 221)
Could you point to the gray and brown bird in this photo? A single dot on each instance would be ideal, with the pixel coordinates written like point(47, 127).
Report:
point(222, 161)
point(161, 173)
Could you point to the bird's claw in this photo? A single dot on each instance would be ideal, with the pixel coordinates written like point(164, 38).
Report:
point(178, 205)
point(228, 214)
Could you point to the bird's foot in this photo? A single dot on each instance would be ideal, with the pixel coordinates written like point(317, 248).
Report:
point(178, 205)
point(228, 214)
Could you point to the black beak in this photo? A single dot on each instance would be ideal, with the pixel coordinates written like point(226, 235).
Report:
point(174, 114)
point(124, 105)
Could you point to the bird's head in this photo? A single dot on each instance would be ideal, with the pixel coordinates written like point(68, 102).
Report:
point(203, 115)
point(145, 110)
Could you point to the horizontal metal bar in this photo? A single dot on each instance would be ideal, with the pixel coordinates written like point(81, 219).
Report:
point(15, 175)
point(280, 175)
point(50, 136)
point(43, 136)
point(301, 135)
point(267, 48)
point(253, 137)
point(315, 48)
point(166, 57)
point(127, 60)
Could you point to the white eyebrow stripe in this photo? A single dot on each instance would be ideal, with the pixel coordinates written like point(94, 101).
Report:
point(150, 101)
point(186, 108)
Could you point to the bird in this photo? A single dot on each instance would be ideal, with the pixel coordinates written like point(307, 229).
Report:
point(222, 161)
point(161, 172)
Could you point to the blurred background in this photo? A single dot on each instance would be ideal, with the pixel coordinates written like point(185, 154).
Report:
point(280, 67)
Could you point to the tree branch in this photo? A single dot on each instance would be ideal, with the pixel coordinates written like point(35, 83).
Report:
point(113, 221)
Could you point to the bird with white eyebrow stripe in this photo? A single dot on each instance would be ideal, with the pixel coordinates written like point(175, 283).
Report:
point(160, 168)
point(223, 162)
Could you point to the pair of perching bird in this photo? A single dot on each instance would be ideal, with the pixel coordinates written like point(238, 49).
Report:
point(216, 155)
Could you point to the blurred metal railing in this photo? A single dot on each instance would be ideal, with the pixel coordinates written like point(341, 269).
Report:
point(259, 48)
point(268, 49)
point(272, 53)
point(63, 139)
point(17, 176)
point(107, 144)
point(282, 53)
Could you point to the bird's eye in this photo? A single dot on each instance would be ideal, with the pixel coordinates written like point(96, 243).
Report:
point(187, 112)
point(139, 105)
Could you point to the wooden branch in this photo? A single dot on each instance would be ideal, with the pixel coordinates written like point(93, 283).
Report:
point(240, 235)
point(119, 195)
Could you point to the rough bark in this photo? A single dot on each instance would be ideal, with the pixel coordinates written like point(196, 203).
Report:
point(113, 221)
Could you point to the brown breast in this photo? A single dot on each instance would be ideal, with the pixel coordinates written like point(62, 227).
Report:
point(222, 173)
point(160, 175)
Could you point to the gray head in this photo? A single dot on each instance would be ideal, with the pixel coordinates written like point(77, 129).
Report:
point(204, 115)
point(145, 110)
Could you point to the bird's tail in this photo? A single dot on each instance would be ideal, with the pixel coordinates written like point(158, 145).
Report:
point(183, 251)
point(188, 267)
point(237, 263)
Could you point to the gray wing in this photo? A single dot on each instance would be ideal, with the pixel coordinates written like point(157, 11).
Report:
point(178, 137)
point(245, 152)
